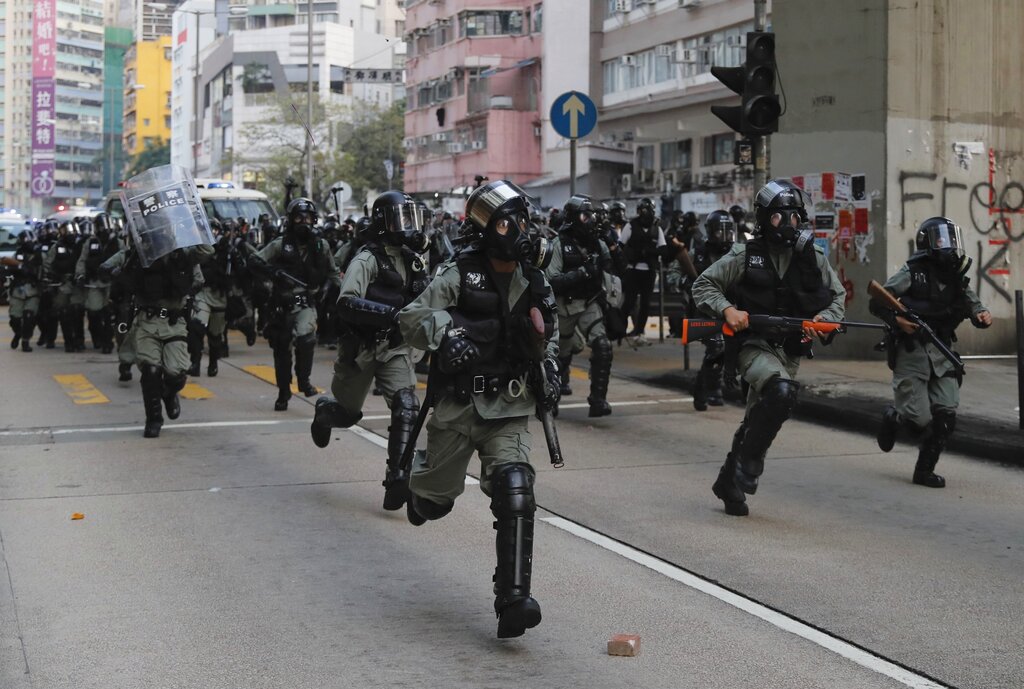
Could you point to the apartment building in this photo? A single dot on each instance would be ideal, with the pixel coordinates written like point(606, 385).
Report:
point(147, 95)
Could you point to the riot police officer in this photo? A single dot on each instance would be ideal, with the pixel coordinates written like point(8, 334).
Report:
point(68, 300)
point(384, 276)
point(780, 273)
point(718, 238)
point(300, 264)
point(739, 217)
point(209, 317)
point(159, 333)
point(579, 260)
point(488, 317)
point(25, 269)
point(644, 243)
point(617, 216)
point(95, 250)
point(934, 284)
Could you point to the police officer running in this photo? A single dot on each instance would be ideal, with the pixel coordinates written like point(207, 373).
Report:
point(25, 269)
point(95, 250)
point(933, 283)
point(383, 277)
point(300, 263)
point(644, 242)
point(579, 260)
point(780, 273)
point(488, 318)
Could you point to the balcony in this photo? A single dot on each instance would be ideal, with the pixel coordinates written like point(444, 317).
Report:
point(514, 89)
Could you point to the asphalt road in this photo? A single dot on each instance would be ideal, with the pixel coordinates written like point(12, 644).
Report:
point(233, 553)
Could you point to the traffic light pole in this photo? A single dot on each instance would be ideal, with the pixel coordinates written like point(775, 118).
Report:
point(761, 143)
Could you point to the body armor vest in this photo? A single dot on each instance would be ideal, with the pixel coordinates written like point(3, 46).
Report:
point(939, 300)
point(217, 271)
point(801, 292)
point(65, 258)
point(388, 287)
point(575, 255)
point(28, 270)
point(642, 246)
point(312, 269)
point(96, 252)
point(170, 277)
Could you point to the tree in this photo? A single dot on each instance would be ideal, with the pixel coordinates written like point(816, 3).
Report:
point(153, 155)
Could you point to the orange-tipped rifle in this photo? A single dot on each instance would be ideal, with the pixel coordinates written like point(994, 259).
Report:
point(779, 326)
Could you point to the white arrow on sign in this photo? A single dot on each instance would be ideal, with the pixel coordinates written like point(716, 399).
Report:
point(574, 108)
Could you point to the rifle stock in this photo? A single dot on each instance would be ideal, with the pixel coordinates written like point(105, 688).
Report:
point(885, 297)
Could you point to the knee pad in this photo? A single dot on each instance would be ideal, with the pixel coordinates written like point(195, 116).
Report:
point(601, 350)
point(176, 382)
point(151, 371)
point(306, 340)
point(779, 396)
point(196, 328)
point(405, 405)
point(512, 492)
point(943, 421)
point(430, 510)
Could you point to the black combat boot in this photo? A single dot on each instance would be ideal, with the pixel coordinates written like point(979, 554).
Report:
point(725, 488)
point(214, 354)
point(78, 327)
point(283, 376)
point(305, 347)
point(420, 510)
point(16, 327)
point(600, 372)
point(327, 415)
point(713, 385)
point(93, 318)
point(106, 330)
point(700, 398)
point(405, 408)
point(195, 349)
point(172, 385)
point(28, 322)
point(932, 444)
point(888, 429)
point(565, 370)
point(152, 389)
point(513, 507)
point(67, 328)
point(763, 421)
point(124, 372)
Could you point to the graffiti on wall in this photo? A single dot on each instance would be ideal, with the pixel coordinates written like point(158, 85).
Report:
point(994, 210)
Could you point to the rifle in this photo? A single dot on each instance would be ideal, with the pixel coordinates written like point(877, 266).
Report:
point(275, 273)
point(421, 418)
point(885, 298)
point(539, 384)
point(696, 329)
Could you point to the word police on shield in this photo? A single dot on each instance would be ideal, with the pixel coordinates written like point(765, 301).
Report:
point(164, 212)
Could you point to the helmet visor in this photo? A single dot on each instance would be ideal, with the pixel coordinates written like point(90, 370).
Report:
point(725, 232)
point(945, 236)
point(406, 217)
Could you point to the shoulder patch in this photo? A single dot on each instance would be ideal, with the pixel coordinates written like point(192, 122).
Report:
point(755, 261)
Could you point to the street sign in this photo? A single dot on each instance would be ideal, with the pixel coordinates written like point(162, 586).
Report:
point(573, 114)
point(389, 169)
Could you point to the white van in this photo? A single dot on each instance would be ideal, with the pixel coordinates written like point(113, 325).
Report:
point(221, 199)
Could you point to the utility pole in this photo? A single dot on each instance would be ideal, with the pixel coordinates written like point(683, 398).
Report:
point(762, 144)
point(195, 110)
point(309, 102)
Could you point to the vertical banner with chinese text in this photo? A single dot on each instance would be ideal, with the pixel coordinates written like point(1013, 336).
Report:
point(44, 114)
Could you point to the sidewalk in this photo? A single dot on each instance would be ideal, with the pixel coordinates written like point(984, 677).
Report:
point(851, 394)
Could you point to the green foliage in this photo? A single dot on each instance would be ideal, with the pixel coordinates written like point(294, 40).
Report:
point(352, 143)
point(153, 155)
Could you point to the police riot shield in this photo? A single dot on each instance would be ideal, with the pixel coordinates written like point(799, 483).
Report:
point(164, 212)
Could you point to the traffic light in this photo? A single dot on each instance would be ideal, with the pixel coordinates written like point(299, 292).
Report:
point(754, 80)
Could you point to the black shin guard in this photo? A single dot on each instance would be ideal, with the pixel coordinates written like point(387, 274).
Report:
point(763, 421)
point(305, 347)
point(16, 327)
point(152, 390)
point(172, 385)
point(283, 374)
point(513, 507)
point(933, 442)
point(28, 322)
point(600, 372)
point(405, 407)
point(725, 488)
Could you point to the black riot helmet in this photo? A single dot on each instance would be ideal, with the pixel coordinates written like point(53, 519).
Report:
point(580, 215)
point(399, 220)
point(617, 213)
point(720, 230)
point(689, 220)
point(781, 216)
point(645, 210)
point(601, 212)
point(500, 210)
point(942, 240)
point(738, 213)
point(101, 226)
point(302, 218)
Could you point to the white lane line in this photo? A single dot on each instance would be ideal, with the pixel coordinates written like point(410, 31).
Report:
point(381, 441)
point(628, 403)
point(845, 649)
point(167, 427)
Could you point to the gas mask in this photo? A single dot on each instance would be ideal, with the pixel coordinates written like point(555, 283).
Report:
point(788, 229)
point(507, 238)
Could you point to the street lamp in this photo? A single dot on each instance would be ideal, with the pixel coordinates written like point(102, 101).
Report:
point(234, 11)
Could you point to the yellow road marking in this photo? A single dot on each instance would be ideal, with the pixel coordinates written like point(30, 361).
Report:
point(80, 389)
point(194, 391)
point(266, 374)
point(578, 373)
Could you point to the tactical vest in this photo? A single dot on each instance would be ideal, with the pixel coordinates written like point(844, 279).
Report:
point(943, 305)
point(64, 259)
point(801, 292)
point(388, 287)
point(28, 268)
point(170, 277)
point(96, 252)
point(497, 332)
point(217, 271)
point(573, 256)
point(642, 245)
point(312, 270)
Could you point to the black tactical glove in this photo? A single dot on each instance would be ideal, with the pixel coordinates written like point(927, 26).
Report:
point(456, 352)
point(551, 386)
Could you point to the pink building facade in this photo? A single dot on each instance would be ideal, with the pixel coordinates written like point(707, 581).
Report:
point(473, 93)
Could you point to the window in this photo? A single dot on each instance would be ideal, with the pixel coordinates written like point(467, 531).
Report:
point(145, 121)
point(491, 23)
point(538, 18)
point(675, 155)
point(645, 157)
point(637, 70)
point(717, 149)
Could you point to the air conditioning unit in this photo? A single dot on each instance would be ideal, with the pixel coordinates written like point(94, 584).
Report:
point(644, 176)
point(423, 140)
point(623, 5)
point(444, 22)
point(664, 50)
point(686, 56)
point(442, 136)
point(478, 145)
point(626, 183)
point(408, 143)
point(690, 4)
point(628, 60)
point(637, 3)
point(455, 148)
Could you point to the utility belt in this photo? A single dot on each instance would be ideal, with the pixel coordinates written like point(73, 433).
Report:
point(172, 315)
point(299, 300)
point(463, 386)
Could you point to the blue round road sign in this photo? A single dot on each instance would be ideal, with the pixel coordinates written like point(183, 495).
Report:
point(573, 114)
